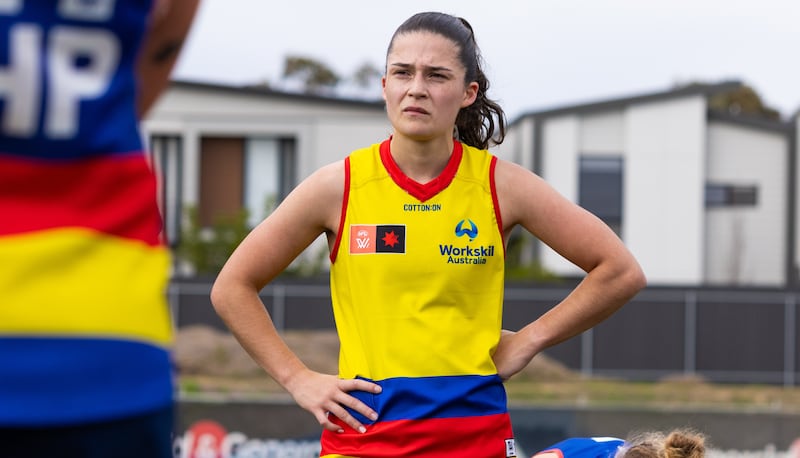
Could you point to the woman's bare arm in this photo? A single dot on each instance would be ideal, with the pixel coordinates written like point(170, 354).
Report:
point(613, 276)
point(312, 209)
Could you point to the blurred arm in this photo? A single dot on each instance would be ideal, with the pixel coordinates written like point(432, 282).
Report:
point(170, 23)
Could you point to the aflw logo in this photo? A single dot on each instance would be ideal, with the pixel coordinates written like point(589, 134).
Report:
point(362, 239)
point(377, 238)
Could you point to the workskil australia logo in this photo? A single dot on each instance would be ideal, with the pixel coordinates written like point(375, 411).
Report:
point(462, 230)
point(466, 253)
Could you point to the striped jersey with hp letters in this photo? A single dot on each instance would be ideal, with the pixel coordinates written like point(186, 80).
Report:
point(84, 325)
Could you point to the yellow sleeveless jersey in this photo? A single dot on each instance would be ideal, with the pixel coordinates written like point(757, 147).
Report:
point(417, 288)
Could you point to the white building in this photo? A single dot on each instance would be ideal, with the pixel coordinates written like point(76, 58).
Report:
point(701, 198)
point(221, 148)
point(794, 201)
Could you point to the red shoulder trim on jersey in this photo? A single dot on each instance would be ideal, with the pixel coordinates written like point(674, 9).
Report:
point(421, 191)
point(345, 198)
point(496, 202)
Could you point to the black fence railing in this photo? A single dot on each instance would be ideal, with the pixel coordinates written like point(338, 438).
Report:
point(736, 335)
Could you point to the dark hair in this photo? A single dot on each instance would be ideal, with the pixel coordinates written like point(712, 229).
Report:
point(476, 123)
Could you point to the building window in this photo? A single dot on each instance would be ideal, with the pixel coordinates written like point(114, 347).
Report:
point(727, 195)
point(269, 175)
point(221, 168)
point(254, 173)
point(166, 157)
point(600, 188)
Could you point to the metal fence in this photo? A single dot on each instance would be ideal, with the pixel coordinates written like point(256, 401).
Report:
point(737, 335)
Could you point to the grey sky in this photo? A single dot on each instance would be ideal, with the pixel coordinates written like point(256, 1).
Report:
point(539, 53)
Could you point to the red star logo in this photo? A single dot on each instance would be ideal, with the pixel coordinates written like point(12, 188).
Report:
point(390, 239)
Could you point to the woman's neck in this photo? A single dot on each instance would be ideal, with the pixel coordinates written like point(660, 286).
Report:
point(422, 161)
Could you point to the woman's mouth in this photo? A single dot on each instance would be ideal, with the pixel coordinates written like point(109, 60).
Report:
point(415, 110)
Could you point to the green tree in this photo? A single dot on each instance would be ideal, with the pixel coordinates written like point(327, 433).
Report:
point(743, 100)
point(315, 76)
point(206, 249)
point(366, 74)
point(516, 269)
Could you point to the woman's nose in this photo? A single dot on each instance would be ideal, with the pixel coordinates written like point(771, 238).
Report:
point(417, 86)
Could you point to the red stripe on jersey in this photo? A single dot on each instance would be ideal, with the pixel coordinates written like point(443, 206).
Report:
point(495, 200)
point(346, 197)
point(115, 195)
point(479, 437)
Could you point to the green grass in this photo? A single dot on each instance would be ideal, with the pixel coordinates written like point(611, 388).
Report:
point(569, 393)
point(668, 394)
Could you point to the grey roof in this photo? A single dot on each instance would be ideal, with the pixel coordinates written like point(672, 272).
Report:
point(752, 121)
point(263, 91)
point(609, 104)
point(617, 103)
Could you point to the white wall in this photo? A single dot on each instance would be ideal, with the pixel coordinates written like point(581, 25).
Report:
point(746, 245)
point(797, 190)
point(664, 188)
point(518, 145)
point(339, 137)
point(663, 146)
point(603, 133)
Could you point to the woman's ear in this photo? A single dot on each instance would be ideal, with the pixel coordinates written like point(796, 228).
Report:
point(470, 94)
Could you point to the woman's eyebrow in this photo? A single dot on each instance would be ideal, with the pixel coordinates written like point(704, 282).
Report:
point(433, 68)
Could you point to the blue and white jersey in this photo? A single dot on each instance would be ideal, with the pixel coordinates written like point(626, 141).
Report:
point(67, 76)
point(583, 447)
point(85, 331)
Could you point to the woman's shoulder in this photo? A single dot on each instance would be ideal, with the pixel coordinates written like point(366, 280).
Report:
point(511, 175)
point(328, 176)
point(369, 153)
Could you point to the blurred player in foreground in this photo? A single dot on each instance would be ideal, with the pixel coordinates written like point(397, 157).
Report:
point(85, 332)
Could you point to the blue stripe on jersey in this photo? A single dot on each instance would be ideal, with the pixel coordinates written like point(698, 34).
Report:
point(405, 398)
point(63, 380)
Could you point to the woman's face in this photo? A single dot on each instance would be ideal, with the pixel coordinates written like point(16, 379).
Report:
point(424, 86)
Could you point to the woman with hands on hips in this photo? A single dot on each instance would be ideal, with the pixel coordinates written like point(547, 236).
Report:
point(417, 226)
